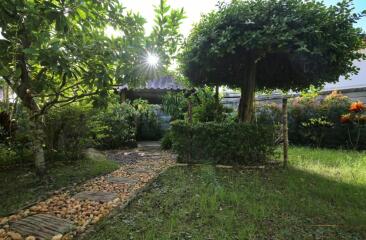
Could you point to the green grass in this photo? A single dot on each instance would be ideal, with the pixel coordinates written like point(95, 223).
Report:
point(19, 187)
point(321, 196)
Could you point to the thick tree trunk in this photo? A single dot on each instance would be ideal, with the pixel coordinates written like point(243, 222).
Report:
point(37, 127)
point(38, 143)
point(246, 105)
point(217, 89)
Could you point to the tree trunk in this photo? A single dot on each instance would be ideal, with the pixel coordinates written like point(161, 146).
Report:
point(246, 105)
point(217, 89)
point(38, 145)
point(285, 131)
point(6, 97)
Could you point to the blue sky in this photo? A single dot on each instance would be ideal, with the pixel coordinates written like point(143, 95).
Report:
point(359, 5)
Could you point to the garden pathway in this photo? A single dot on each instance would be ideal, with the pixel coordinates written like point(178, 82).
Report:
point(68, 213)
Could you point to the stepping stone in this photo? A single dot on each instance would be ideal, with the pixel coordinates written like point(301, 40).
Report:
point(140, 170)
point(122, 180)
point(96, 196)
point(152, 157)
point(42, 226)
point(148, 145)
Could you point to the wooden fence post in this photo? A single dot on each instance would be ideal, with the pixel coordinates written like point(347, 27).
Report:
point(285, 131)
point(190, 118)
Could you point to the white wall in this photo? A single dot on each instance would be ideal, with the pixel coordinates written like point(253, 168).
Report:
point(356, 81)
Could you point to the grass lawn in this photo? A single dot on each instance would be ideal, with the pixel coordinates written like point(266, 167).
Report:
point(20, 187)
point(321, 196)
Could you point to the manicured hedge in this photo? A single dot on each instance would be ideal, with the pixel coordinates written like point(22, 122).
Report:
point(222, 143)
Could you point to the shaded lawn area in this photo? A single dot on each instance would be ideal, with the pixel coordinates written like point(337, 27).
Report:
point(321, 196)
point(19, 187)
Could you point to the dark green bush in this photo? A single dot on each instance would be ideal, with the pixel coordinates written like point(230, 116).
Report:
point(147, 122)
point(8, 156)
point(223, 143)
point(206, 107)
point(166, 141)
point(114, 127)
point(67, 132)
point(15, 144)
point(175, 104)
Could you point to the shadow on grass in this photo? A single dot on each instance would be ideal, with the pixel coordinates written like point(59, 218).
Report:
point(209, 203)
point(21, 187)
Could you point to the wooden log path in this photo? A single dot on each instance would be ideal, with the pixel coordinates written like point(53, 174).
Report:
point(69, 213)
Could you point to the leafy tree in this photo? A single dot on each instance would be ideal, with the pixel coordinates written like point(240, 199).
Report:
point(269, 44)
point(55, 53)
point(166, 39)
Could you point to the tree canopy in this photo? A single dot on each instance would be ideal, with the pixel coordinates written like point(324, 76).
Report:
point(271, 44)
point(55, 53)
point(166, 39)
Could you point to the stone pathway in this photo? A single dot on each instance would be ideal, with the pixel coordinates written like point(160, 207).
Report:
point(42, 226)
point(68, 213)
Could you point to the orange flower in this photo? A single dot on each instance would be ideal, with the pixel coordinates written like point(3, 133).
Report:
point(345, 118)
point(357, 106)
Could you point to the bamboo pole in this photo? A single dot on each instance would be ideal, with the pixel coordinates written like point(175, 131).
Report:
point(190, 118)
point(285, 132)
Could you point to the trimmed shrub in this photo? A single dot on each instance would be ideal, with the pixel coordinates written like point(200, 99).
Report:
point(223, 143)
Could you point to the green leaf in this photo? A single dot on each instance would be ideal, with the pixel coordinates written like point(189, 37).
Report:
point(81, 13)
point(4, 71)
point(61, 23)
point(29, 51)
point(18, 72)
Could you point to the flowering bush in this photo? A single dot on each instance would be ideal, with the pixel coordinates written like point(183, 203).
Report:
point(357, 107)
point(334, 122)
point(356, 115)
point(356, 120)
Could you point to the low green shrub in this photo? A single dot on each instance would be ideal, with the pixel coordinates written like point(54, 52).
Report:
point(175, 104)
point(223, 143)
point(206, 107)
point(167, 141)
point(8, 156)
point(66, 132)
point(148, 124)
point(114, 127)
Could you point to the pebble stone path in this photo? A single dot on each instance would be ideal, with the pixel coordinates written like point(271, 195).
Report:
point(68, 213)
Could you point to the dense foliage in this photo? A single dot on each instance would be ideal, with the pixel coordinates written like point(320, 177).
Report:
point(206, 106)
point(223, 143)
point(55, 53)
point(166, 39)
point(66, 132)
point(270, 44)
point(114, 126)
point(73, 128)
point(319, 123)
